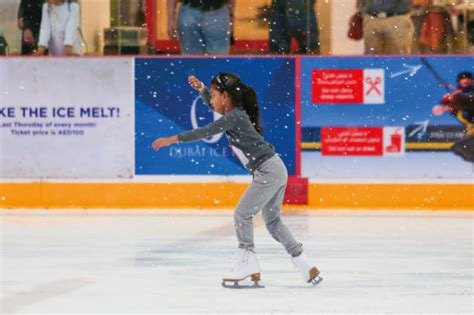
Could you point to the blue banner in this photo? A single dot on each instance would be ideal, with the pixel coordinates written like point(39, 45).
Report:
point(166, 105)
point(345, 99)
point(410, 87)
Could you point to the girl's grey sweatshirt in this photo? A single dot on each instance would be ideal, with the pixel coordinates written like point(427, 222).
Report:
point(248, 145)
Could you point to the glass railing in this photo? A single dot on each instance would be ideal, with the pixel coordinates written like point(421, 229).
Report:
point(144, 27)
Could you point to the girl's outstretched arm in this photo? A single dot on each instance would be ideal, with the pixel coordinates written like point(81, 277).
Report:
point(226, 122)
point(164, 142)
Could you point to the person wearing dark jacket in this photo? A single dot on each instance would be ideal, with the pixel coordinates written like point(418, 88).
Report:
point(29, 21)
point(295, 19)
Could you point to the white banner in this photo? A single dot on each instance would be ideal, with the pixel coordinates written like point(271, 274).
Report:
point(66, 118)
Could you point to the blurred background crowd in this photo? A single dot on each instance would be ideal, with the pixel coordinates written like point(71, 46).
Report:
point(221, 27)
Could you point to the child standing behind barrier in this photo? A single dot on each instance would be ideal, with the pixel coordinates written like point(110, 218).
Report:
point(237, 102)
point(59, 32)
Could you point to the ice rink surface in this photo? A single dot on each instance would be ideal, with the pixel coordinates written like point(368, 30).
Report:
point(107, 261)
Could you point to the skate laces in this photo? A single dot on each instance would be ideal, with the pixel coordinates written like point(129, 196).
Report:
point(241, 258)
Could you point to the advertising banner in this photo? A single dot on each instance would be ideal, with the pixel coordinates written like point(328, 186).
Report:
point(354, 86)
point(362, 141)
point(358, 111)
point(66, 118)
point(166, 105)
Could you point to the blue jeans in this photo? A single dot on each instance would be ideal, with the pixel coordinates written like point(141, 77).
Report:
point(284, 28)
point(204, 32)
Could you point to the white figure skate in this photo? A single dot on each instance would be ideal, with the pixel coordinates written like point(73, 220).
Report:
point(246, 265)
point(309, 271)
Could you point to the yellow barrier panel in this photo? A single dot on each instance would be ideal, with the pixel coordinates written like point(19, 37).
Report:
point(226, 195)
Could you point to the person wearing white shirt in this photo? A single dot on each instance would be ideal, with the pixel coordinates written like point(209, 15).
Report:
point(59, 31)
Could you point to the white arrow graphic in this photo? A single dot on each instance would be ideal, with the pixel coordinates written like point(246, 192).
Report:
point(423, 126)
point(412, 70)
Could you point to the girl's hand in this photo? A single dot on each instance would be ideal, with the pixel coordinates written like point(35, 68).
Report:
point(163, 142)
point(195, 83)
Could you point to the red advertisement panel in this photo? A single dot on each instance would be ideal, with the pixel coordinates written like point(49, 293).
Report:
point(338, 86)
point(352, 141)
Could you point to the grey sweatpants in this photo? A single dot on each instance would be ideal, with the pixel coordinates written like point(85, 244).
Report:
point(265, 193)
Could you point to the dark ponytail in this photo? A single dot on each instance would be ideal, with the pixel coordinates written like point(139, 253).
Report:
point(250, 105)
point(242, 95)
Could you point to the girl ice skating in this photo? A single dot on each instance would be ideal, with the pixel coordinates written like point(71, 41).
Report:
point(237, 103)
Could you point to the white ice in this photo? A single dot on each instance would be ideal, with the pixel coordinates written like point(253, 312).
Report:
point(106, 261)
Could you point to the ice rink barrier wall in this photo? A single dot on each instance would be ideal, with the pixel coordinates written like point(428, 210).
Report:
point(76, 133)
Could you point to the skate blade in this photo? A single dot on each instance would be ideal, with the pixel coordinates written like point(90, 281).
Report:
point(317, 280)
point(255, 278)
point(237, 285)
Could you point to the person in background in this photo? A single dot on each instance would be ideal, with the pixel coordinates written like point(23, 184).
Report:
point(388, 28)
point(294, 19)
point(59, 32)
point(434, 32)
point(204, 27)
point(28, 21)
point(460, 104)
point(3, 43)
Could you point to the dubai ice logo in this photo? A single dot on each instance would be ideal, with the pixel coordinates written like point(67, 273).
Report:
point(195, 124)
